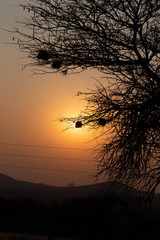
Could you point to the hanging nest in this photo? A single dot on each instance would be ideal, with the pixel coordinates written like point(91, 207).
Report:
point(78, 124)
point(43, 55)
point(57, 64)
point(65, 72)
point(102, 122)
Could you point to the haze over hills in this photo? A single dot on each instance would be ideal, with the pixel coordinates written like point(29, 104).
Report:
point(97, 215)
point(12, 188)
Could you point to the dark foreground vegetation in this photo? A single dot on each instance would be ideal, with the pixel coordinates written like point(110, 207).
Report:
point(97, 217)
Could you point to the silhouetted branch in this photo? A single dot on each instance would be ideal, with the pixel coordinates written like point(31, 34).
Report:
point(120, 38)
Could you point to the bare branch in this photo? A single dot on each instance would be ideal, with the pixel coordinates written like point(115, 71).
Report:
point(120, 38)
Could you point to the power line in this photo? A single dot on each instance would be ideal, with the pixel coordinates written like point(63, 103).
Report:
point(45, 169)
point(40, 146)
point(44, 157)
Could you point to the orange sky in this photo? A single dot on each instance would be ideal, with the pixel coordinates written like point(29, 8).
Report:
point(29, 105)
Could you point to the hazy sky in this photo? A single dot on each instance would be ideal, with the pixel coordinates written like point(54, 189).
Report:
point(29, 105)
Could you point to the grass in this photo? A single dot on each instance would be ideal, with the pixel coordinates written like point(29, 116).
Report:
point(11, 236)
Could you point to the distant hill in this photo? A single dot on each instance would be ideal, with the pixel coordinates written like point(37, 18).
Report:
point(12, 188)
point(114, 214)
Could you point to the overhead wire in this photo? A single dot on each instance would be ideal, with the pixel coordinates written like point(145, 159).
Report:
point(45, 169)
point(44, 157)
point(40, 146)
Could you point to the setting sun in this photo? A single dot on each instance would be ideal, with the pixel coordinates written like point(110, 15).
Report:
point(80, 114)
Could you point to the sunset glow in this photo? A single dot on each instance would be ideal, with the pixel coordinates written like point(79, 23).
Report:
point(79, 123)
point(30, 109)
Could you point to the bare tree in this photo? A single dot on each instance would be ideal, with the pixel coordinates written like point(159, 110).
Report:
point(120, 38)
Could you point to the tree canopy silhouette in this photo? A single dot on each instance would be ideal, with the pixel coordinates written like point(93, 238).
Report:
point(121, 39)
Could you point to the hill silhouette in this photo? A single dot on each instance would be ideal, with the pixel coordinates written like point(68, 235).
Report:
point(12, 188)
point(85, 212)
